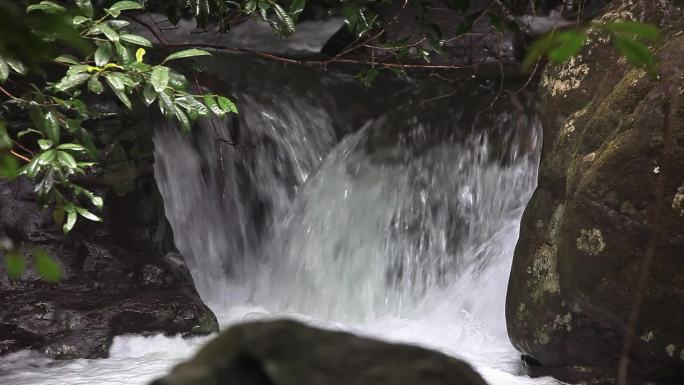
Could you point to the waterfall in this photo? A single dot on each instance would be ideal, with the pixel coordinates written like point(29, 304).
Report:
point(391, 212)
point(418, 208)
point(400, 225)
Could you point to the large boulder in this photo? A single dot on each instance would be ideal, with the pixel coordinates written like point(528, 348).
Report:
point(290, 353)
point(610, 195)
point(120, 276)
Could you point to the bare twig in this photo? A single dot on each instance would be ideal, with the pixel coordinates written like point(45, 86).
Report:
point(18, 155)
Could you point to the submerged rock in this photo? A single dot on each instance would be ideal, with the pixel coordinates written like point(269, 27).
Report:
point(119, 277)
point(290, 353)
point(610, 173)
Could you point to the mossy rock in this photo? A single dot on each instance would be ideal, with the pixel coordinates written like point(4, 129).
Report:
point(586, 230)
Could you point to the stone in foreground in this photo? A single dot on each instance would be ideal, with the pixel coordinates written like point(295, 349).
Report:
point(290, 353)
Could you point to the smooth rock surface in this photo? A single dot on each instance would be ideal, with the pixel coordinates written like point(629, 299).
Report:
point(290, 353)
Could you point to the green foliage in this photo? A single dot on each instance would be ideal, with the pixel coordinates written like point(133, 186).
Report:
point(281, 16)
point(63, 148)
point(46, 267)
point(629, 38)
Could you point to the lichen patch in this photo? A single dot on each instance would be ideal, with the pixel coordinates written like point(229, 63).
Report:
point(544, 275)
point(569, 77)
point(591, 241)
point(670, 350)
point(648, 337)
point(678, 200)
point(563, 322)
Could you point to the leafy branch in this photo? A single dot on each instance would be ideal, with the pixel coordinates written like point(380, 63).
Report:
point(56, 145)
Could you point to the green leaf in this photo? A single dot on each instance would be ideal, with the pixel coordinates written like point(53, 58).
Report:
point(17, 66)
point(97, 201)
point(71, 219)
point(569, 44)
point(118, 87)
point(36, 114)
point(123, 78)
point(71, 147)
point(104, 29)
point(79, 106)
point(78, 20)
point(70, 81)
point(87, 214)
point(15, 264)
point(31, 169)
point(160, 78)
point(4, 70)
point(78, 69)
point(166, 104)
point(46, 6)
point(9, 167)
point(94, 85)
point(149, 94)
point(44, 187)
point(636, 53)
point(88, 143)
point(186, 53)
point(46, 266)
point(135, 39)
point(177, 81)
point(28, 131)
point(633, 28)
point(72, 125)
point(47, 157)
point(193, 106)
point(5, 139)
point(285, 19)
point(210, 102)
point(183, 119)
point(86, 7)
point(125, 6)
point(67, 59)
point(52, 127)
point(103, 54)
point(123, 53)
point(118, 24)
point(297, 7)
point(44, 144)
point(227, 105)
point(250, 6)
point(556, 45)
point(66, 159)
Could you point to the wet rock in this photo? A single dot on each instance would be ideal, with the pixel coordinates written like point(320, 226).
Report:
point(290, 353)
point(121, 276)
point(584, 234)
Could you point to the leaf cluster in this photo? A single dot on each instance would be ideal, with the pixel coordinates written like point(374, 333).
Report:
point(630, 39)
point(59, 146)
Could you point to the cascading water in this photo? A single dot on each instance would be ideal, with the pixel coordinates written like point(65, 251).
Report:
point(410, 221)
point(403, 229)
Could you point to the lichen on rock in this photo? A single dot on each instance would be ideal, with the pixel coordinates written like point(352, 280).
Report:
point(591, 242)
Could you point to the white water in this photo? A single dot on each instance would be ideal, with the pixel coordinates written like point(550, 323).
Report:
point(405, 242)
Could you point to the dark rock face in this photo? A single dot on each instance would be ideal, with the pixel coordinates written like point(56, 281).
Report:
point(290, 353)
point(120, 276)
point(609, 186)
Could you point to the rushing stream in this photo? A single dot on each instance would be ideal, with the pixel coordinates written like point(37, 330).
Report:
point(402, 228)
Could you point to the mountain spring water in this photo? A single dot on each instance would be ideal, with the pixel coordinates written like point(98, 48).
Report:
point(402, 230)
